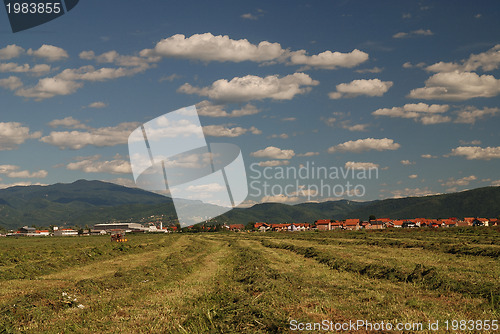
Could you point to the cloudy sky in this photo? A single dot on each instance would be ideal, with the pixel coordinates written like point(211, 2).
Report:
point(412, 88)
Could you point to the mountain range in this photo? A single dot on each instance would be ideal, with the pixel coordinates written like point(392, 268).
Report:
point(85, 203)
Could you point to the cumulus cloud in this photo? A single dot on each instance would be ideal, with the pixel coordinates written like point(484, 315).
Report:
point(477, 152)
point(457, 86)
point(226, 131)
point(329, 60)
point(207, 47)
point(100, 137)
point(207, 108)
point(412, 192)
point(487, 61)
point(419, 32)
point(369, 87)
point(274, 163)
point(68, 122)
point(272, 152)
point(470, 114)
point(50, 87)
point(308, 154)
point(13, 171)
point(428, 156)
point(11, 83)
point(97, 105)
point(70, 80)
point(13, 134)
point(360, 165)
point(93, 164)
point(253, 87)
point(49, 52)
point(38, 69)
point(451, 182)
point(370, 70)
point(413, 176)
point(280, 198)
point(249, 16)
point(407, 162)
point(367, 144)
point(11, 51)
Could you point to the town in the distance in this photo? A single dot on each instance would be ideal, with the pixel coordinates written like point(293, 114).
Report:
point(373, 223)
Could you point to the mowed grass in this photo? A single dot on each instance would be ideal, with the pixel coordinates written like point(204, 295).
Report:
point(247, 282)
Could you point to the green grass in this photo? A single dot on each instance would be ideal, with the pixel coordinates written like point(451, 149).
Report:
point(246, 282)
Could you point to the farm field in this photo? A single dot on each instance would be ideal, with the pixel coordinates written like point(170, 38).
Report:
point(249, 282)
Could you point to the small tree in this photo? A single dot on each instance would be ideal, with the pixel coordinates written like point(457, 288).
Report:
point(372, 217)
point(250, 226)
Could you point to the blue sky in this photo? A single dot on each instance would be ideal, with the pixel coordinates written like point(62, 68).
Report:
point(411, 88)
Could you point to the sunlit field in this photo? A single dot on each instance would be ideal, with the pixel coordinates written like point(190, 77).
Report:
point(248, 282)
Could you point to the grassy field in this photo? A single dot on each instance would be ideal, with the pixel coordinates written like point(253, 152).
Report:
point(248, 282)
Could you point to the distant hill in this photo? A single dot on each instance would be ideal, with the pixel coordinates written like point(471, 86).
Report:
point(82, 202)
point(90, 202)
point(481, 202)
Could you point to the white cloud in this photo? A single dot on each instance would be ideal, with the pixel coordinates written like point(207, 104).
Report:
point(412, 192)
point(14, 172)
point(11, 51)
point(460, 182)
point(487, 61)
point(207, 47)
point(274, 163)
point(428, 156)
point(13, 134)
point(20, 184)
point(370, 70)
point(355, 127)
point(279, 199)
point(206, 108)
point(470, 114)
point(273, 153)
point(360, 165)
point(370, 87)
point(100, 137)
point(476, 152)
point(225, 131)
point(11, 83)
point(97, 105)
point(69, 81)
point(413, 176)
point(415, 111)
point(407, 162)
point(367, 144)
point(419, 32)
point(50, 87)
point(308, 154)
point(68, 122)
point(435, 119)
point(329, 60)
point(49, 52)
point(170, 77)
point(118, 59)
point(457, 86)
point(38, 69)
point(289, 119)
point(92, 164)
point(472, 142)
point(249, 16)
point(252, 87)
point(495, 183)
